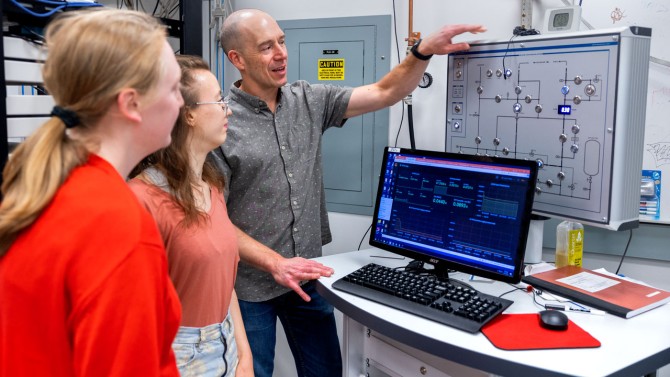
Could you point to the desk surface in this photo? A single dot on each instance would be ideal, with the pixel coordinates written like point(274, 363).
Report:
point(630, 347)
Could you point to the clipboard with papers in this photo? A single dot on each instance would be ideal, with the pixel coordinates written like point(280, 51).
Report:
point(613, 294)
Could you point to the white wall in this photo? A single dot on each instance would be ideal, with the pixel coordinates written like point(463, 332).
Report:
point(500, 17)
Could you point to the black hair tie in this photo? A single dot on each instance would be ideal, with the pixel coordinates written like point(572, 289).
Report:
point(68, 117)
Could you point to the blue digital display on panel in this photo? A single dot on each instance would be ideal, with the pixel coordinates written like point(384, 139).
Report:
point(564, 110)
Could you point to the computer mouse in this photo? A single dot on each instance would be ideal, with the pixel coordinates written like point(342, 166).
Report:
point(553, 320)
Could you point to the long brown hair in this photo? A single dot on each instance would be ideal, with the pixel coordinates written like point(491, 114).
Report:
point(92, 56)
point(173, 160)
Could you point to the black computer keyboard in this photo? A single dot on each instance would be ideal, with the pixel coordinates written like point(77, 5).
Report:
point(442, 300)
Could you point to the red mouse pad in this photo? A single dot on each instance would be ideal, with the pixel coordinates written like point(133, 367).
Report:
point(523, 332)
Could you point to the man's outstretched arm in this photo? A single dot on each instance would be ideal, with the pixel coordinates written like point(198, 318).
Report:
point(404, 78)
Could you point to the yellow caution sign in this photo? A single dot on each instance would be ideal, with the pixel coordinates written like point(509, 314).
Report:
point(331, 69)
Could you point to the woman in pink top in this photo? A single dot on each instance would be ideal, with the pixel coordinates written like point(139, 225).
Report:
point(184, 193)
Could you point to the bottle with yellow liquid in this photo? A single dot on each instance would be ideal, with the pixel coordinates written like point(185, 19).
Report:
point(569, 244)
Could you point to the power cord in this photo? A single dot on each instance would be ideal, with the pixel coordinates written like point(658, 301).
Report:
point(545, 296)
point(397, 47)
point(513, 290)
point(630, 236)
point(366, 232)
point(528, 289)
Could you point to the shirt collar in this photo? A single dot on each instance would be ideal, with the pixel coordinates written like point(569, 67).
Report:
point(249, 100)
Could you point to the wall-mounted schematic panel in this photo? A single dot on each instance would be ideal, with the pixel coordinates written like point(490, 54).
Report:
point(573, 102)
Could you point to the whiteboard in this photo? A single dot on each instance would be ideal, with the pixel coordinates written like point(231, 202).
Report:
point(656, 15)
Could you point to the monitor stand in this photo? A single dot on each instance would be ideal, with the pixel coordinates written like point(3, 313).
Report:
point(417, 266)
point(534, 244)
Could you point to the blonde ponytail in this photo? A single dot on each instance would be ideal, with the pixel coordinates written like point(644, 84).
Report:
point(95, 54)
point(37, 169)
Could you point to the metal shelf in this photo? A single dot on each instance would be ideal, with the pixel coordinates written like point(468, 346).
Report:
point(22, 63)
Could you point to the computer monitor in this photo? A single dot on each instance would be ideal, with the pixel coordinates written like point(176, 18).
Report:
point(455, 211)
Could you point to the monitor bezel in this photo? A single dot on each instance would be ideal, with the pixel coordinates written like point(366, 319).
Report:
point(445, 264)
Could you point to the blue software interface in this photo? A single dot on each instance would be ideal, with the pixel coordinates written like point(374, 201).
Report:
point(458, 210)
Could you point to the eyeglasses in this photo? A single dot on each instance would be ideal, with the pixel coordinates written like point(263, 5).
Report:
point(223, 103)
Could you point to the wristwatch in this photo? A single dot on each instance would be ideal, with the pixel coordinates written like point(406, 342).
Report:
point(417, 54)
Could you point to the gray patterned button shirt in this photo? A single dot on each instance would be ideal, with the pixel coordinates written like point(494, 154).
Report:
point(272, 164)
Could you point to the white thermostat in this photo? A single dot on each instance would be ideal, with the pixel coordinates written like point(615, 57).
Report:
point(563, 19)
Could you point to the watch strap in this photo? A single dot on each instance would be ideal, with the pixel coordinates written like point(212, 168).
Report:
point(417, 54)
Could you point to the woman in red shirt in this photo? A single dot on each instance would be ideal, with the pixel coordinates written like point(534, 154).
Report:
point(84, 286)
point(184, 193)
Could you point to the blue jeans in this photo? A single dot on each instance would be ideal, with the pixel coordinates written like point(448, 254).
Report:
point(206, 351)
point(310, 330)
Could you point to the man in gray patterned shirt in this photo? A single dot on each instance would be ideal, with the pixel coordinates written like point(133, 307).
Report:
point(275, 195)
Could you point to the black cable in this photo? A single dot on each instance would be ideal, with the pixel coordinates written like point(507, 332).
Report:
point(410, 118)
point(366, 232)
point(535, 300)
point(172, 10)
point(410, 124)
point(513, 290)
point(519, 30)
point(416, 267)
point(402, 118)
point(522, 31)
point(397, 47)
point(463, 284)
point(395, 29)
point(533, 291)
point(504, 56)
point(41, 90)
point(39, 38)
point(630, 236)
point(153, 13)
point(36, 39)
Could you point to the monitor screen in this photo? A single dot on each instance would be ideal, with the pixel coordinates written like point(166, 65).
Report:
point(455, 211)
